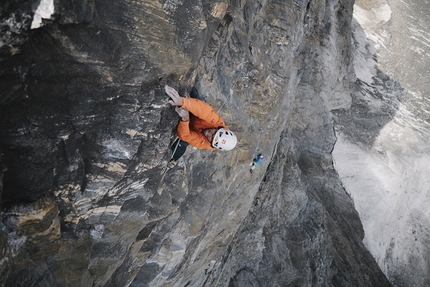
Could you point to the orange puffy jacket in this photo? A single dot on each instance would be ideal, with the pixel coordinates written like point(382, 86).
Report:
point(203, 117)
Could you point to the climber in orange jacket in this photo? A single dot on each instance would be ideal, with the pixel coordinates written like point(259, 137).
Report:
point(200, 126)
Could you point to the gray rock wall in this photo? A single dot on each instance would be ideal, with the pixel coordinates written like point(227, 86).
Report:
point(85, 132)
point(382, 152)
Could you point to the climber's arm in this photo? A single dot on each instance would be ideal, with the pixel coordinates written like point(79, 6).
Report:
point(194, 138)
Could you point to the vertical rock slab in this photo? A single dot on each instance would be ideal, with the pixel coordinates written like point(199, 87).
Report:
point(382, 153)
point(301, 211)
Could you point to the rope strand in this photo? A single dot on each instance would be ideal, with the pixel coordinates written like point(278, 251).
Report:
point(176, 147)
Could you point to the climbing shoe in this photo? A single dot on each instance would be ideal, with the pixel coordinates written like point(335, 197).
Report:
point(171, 163)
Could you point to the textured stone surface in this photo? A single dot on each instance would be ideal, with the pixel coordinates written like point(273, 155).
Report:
point(85, 132)
point(382, 153)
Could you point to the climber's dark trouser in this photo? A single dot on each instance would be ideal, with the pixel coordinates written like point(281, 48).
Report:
point(179, 146)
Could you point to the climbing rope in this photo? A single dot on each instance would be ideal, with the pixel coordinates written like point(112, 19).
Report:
point(223, 102)
point(176, 146)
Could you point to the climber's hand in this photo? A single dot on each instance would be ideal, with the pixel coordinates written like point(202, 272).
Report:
point(183, 113)
point(176, 99)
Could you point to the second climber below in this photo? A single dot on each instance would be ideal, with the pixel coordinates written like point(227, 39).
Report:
point(200, 126)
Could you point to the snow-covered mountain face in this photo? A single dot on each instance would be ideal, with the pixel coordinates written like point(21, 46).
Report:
point(85, 134)
point(383, 148)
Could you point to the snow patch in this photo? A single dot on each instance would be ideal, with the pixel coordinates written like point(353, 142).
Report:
point(391, 191)
point(44, 11)
point(371, 20)
point(364, 55)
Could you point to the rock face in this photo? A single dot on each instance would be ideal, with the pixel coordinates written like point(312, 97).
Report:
point(86, 133)
point(382, 153)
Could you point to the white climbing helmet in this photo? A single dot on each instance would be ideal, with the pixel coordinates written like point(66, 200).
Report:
point(224, 140)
